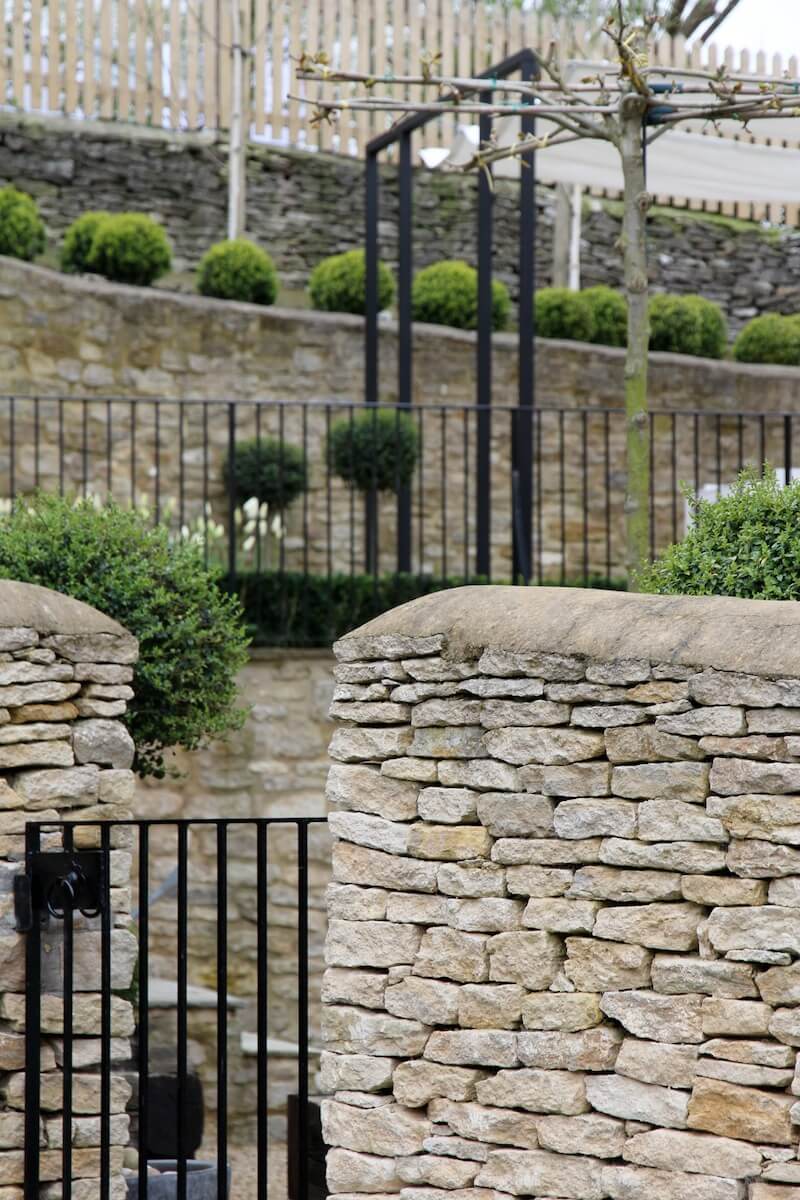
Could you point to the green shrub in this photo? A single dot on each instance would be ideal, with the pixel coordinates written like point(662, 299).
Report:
point(769, 339)
point(446, 293)
point(78, 240)
point(609, 316)
point(272, 471)
point(746, 543)
point(21, 227)
point(339, 283)
point(374, 448)
point(561, 313)
point(129, 248)
point(238, 270)
point(191, 638)
point(687, 325)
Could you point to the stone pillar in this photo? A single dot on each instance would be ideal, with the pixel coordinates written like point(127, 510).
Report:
point(564, 942)
point(65, 673)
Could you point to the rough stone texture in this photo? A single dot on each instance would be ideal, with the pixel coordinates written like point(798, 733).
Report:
point(605, 1001)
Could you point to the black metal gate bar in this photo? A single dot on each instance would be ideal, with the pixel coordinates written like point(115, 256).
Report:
point(53, 893)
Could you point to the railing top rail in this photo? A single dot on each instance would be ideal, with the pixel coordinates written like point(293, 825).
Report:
point(138, 822)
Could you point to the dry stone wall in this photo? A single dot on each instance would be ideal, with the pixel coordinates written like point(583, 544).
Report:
point(563, 956)
point(65, 675)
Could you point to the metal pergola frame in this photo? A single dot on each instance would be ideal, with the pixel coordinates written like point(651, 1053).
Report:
point(524, 62)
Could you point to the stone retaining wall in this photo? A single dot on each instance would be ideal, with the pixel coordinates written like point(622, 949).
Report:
point(65, 672)
point(565, 918)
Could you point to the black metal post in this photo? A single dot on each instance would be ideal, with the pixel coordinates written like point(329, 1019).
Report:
point(371, 377)
point(522, 449)
point(484, 364)
point(33, 1020)
point(404, 339)
point(232, 491)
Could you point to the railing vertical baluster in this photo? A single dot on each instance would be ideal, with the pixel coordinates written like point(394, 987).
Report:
point(302, 1008)
point(182, 1022)
point(652, 483)
point(181, 466)
point(696, 448)
point(787, 449)
point(526, 347)
point(60, 406)
point(157, 457)
point(109, 450)
point(562, 495)
point(483, 476)
point(674, 477)
point(36, 443)
point(105, 1012)
point(607, 488)
point(465, 471)
point(222, 1010)
point(405, 345)
point(328, 496)
point(205, 484)
point(231, 523)
point(585, 495)
point(12, 450)
point(443, 453)
point(33, 1022)
point(144, 1001)
point(718, 452)
point(133, 454)
point(262, 1009)
point(66, 1065)
point(85, 447)
point(538, 435)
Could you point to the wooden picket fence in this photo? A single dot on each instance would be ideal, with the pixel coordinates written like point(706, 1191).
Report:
point(168, 63)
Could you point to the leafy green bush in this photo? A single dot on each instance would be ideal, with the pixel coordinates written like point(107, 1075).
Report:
point(374, 448)
point(339, 283)
point(21, 227)
point(238, 270)
point(129, 248)
point(609, 316)
point(272, 471)
point(78, 240)
point(446, 293)
point(191, 638)
point(687, 325)
point(561, 313)
point(769, 339)
point(746, 543)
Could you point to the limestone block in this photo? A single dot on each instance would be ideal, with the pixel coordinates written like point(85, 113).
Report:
point(102, 672)
point(657, 691)
point(615, 883)
point(737, 1018)
point(479, 1124)
point(52, 786)
point(450, 806)
point(505, 714)
point(543, 745)
point(673, 1066)
point(85, 1014)
point(587, 818)
point(591, 693)
point(767, 749)
point(385, 645)
point(417, 1082)
point(767, 1191)
point(353, 903)
point(765, 1054)
point(655, 1016)
point(86, 1131)
point(452, 954)
point(116, 786)
point(676, 974)
point(644, 1183)
point(343, 985)
point(365, 829)
point(88, 707)
point(370, 712)
point(740, 1112)
point(428, 1000)
point(589, 1133)
point(483, 774)
point(445, 711)
point(558, 915)
point(449, 843)
point(361, 1173)
point(785, 892)
point(86, 1091)
point(710, 721)
point(738, 776)
point(416, 908)
point(685, 781)
point(773, 720)
point(464, 741)
point(358, 788)
point(744, 1073)
point(535, 1091)
point(780, 985)
point(438, 1172)
point(104, 742)
point(646, 744)
point(521, 689)
point(716, 890)
point(597, 965)
point(631, 1100)
point(607, 716)
point(373, 868)
point(489, 1006)
point(492, 914)
point(472, 1048)
point(689, 858)
point(769, 927)
point(472, 879)
point(515, 814)
point(575, 779)
point(545, 851)
point(531, 958)
point(567, 1012)
point(538, 881)
point(455, 1147)
point(658, 926)
point(674, 821)
point(774, 818)
point(370, 943)
point(785, 1026)
point(347, 1030)
point(383, 670)
point(556, 667)
point(540, 1173)
point(760, 860)
point(588, 1050)
point(730, 687)
point(358, 1072)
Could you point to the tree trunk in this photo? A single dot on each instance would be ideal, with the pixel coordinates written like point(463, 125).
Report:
point(634, 225)
point(236, 156)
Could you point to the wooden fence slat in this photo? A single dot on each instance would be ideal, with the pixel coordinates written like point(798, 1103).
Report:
point(192, 65)
point(346, 122)
point(464, 39)
point(141, 102)
point(89, 67)
point(363, 62)
point(157, 77)
point(36, 55)
point(18, 54)
point(123, 61)
point(276, 42)
point(481, 58)
point(377, 124)
point(53, 55)
point(106, 56)
point(3, 56)
point(70, 102)
point(209, 65)
point(449, 66)
point(312, 90)
point(176, 42)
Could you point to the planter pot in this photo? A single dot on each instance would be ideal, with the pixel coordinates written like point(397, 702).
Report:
point(201, 1181)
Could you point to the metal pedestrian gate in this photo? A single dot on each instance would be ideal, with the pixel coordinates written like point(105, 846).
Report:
point(113, 1075)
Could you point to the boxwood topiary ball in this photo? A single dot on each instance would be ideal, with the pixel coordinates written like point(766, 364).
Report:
point(238, 270)
point(274, 472)
point(339, 284)
point(129, 248)
point(374, 448)
point(446, 293)
point(21, 227)
point(562, 313)
point(609, 316)
point(78, 239)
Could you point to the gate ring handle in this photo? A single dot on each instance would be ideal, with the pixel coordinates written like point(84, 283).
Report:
point(66, 887)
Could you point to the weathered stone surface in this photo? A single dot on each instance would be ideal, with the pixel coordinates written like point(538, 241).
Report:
point(607, 716)
point(437, 1171)
point(415, 908)
point(515, 814)
point(780, 985)
point(774, 818)
point(464, 741)
point(535, 1091)
point(597, 965)
point(531, 958)
point(365, 744)
point(766, 749)
point(451, 954)
point(105, 742)
point(575, 779)
point(655, 1016)
point(738, 1112)
point(765, 1054)
point(446, 712)
point(448, 805)
point(773, 720)
point(673, 1066)
point(390, 1130)
point(456, 1147)
point(687, 857)
point(719, 890)
point(561, 916)
point(564, 1011)
point(42, 754)
point(738, 776)
point(417, 1082)
point(658, 926)
point(524, 689)
point(545, 851)
point(428, 1000)
point(713, 721)
point(540, 1173)
point(635, 1101)
point(435, 668)
point(646, 744)
point(676, 974)
point(785, 892)
point(740, 1018)
point(730, 687)
point(358, 647)
point(370, 943)
point(540, 665)
point(354, 1072)
point(589, 1133)
point(694, 1152)
point(744, 1073)
point(614, 883)
point(588, 1050)
point(344, 985)
point(360, 865)
point(481, 1124)
point(357, 1031)
point(483, 774)
point(365, 829)
point(493, 914)
point(37, 693)
point(477, 878)
point(538, 881)
point(785, 1026)
point(417, 770)
point(505, 714)
point(586, 818)
point(49, 787)
point(366, 789)
point(769, 927)
point(661, 781)
point(352, 1173)
point(473, 1048)
point(542, 745)
point(449, 843)
point(674, 821)
point(644, 1183)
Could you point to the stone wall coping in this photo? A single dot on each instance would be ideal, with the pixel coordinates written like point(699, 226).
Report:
point(29, 606)
point(757, 637)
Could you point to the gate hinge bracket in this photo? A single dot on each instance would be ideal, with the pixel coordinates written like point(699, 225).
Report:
point(58, 882)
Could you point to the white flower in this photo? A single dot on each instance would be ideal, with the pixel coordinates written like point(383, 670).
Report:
point(251, 508)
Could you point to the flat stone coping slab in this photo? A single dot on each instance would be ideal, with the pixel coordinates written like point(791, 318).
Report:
point(29, 606)
point(163, 993)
